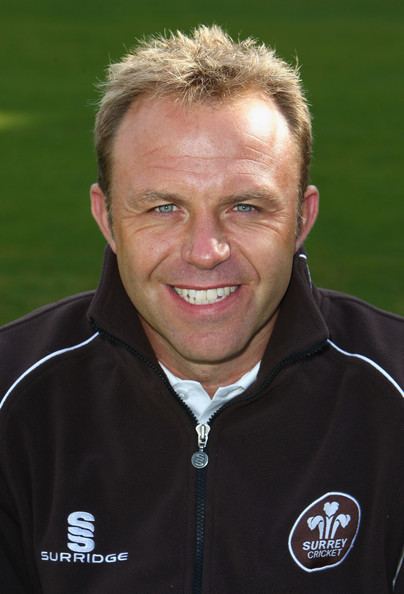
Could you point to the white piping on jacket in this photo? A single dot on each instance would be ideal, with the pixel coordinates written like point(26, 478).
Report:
point(400, 390)
point(371, 362)
point(400, 564)
point(305, 258)
point(43, 360)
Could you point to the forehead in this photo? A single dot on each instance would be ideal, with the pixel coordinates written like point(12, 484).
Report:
point(243, 135)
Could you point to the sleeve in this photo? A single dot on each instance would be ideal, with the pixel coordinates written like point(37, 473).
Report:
point(16, 571)
point(11, 555)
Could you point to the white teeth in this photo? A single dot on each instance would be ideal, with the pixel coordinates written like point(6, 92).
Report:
point(205, 297)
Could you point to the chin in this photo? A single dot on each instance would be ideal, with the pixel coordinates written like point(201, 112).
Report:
point(220, 353)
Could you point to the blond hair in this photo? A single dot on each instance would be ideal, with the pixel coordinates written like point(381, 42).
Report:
point(204, 66)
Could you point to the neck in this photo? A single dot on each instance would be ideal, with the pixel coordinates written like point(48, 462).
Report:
point(210, 374)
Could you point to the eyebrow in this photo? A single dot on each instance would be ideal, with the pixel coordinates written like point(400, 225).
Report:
point(264, 195)
point(252, 195)
point(152, 196)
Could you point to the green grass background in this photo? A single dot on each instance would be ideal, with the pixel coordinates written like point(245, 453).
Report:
point(52, 52)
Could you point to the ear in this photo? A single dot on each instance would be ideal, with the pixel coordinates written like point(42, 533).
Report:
point(309, 212)
point(100, 214)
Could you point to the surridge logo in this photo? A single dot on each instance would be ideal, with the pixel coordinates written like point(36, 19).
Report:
point(80, 532)
point(325, 532)
point(81, 541)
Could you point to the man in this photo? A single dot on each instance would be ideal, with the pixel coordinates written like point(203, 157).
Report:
point(208, 421)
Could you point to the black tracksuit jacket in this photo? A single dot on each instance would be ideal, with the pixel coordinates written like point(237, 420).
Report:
point(304, 489)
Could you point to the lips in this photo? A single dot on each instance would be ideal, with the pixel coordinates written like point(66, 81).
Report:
point(205, 296)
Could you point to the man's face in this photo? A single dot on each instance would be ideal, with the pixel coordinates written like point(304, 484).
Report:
point(204, 210)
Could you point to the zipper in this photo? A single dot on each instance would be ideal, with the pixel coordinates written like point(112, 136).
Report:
point(200, 509)
point(200, 458)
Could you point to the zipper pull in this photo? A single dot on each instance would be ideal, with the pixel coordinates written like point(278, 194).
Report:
point(200, 459)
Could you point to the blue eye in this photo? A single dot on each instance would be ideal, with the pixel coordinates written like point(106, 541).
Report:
point(244, 207)
point(165, 208)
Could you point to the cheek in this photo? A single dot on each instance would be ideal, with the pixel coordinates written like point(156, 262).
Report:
point(139, 254)
point(269, 254)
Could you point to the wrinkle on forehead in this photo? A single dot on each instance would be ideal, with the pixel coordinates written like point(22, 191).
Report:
point(204, 167)
point(175, 161)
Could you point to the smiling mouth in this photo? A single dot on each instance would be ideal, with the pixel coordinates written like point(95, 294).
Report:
point(205, 296)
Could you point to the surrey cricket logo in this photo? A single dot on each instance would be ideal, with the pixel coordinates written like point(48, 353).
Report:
point(325, 532)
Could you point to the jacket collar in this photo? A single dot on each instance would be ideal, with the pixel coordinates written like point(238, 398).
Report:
point(112, 312)
point(300, 328)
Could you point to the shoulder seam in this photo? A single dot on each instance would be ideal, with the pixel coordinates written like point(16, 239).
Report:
point(43, 360)
point(335, 296)
point(41, 311)
point(370, 362)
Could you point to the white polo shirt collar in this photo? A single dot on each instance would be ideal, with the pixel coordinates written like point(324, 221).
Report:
point(199, 401)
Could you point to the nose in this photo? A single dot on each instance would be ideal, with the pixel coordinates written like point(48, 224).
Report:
point(205, 245)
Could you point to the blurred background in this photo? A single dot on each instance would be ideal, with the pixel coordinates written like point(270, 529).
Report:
point(53, 52)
